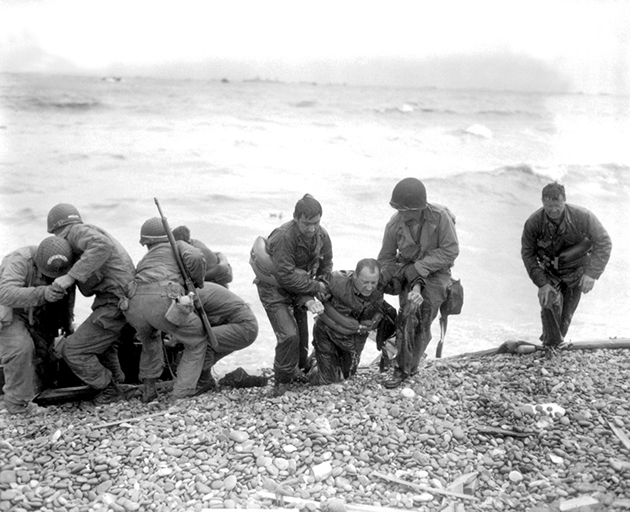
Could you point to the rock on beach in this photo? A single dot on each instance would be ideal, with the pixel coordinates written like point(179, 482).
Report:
point(489, 427)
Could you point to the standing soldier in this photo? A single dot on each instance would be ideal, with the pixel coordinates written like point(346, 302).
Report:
point(32, 311)
point(301, 254)
point(102, 269)
point(565, 249)
point(419, 248)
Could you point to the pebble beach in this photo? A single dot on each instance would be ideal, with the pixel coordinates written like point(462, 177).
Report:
point(475, 432)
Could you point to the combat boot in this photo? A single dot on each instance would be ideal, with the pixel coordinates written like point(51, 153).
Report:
point(112, 393)
point(149, 393)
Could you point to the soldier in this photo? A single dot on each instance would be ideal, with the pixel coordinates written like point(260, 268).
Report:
point(301, 253)
point(419, 248)
point(102, 269)
point(32, 312)
point(353, 309)
point(158, 303)
point(218, 270)
point(565, 249)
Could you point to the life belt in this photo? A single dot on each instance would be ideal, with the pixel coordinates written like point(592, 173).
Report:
point(261, 262)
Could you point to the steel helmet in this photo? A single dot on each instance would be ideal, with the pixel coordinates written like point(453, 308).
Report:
point(153, 232)
point(53, 257)
point(409, 194)
point(62, 215)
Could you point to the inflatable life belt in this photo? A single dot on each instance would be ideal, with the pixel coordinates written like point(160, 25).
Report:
point(261, 262)
point(337, 322)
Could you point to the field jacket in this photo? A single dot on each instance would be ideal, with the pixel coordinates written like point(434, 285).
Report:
point(159, 265)
point(103, 267)
point(290, 251)
point(435, 250)
point(543, 240)
point(22, 293)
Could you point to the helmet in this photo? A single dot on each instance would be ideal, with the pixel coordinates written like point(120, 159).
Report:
point(153, 232)
point(53, 257)
point(62, 215)
point(409, 194)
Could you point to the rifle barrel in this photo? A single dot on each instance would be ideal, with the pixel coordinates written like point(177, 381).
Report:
point(190, 287)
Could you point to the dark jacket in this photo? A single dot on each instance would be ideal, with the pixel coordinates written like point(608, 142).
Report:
point(290, 251)
point(543, 240)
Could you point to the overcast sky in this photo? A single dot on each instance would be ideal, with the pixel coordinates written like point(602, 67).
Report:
point(557, 45)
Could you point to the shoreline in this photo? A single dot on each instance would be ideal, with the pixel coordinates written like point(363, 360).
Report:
point(461, 425)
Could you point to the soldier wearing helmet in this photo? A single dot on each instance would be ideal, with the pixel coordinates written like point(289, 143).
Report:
point(419, 248)
point(157, 283)
point(102, 269)
point(32, 312)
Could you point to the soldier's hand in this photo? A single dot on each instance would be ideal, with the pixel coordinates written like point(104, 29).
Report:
point(64, 282)
point(323, 293)
point(544, 292)
point(315, 306)
point(586, 283)
point(53, 293)
point(415, 297)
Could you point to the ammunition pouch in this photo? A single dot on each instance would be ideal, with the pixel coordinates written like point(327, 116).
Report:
point(573, 257)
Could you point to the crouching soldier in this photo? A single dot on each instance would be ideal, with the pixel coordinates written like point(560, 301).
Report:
point(157, 302)
point(102, 269)
point(234, 327)
point(218, 270)
point(352, 311)
point(32, 312)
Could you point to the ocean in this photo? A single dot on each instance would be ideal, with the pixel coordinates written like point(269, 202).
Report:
point(230, 159)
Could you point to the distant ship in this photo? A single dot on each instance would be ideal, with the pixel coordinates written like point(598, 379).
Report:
point(112, 79)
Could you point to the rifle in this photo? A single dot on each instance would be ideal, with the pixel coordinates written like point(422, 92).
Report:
point(190, 287)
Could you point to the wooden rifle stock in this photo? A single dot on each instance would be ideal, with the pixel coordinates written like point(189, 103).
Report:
point(190, 287)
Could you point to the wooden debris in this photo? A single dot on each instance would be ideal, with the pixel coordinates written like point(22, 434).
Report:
point(620, 434)
point(424, 488)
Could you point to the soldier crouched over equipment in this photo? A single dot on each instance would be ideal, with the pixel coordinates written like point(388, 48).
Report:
point(102, 269)
point(565, 249)
point(218, 270)
point(158, 302)
point(32, 312)
point(234, 326)
point(352, 311)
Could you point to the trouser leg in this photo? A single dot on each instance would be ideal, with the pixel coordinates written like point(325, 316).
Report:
point(413, 325)
point(16, 355)
point(551, 316)
point(94, 337)
point(571, 300)
point(328, 358)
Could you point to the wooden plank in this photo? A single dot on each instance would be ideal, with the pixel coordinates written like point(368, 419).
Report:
point(350, 507)
point(423, 488)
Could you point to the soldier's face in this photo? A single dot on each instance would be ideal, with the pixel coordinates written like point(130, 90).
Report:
point(366, 281)
point(308, 226)
point(554, 208)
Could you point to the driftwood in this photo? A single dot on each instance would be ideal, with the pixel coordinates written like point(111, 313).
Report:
point(135, 418)
point(620, 434)
point(483, 429)
point(350, 507)
point(512, 345)
point(423, 488)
